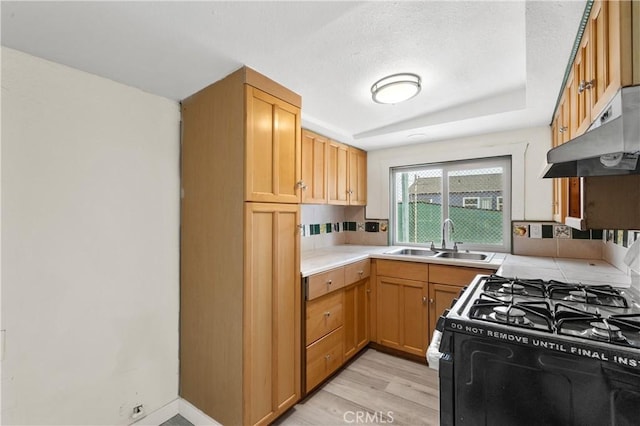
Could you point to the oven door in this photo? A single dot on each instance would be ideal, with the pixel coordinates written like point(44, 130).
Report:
point(485, 382)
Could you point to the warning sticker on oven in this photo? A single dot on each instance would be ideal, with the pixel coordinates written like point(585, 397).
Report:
point(594, 351)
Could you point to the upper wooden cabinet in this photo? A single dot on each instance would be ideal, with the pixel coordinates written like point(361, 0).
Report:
point(605, 26)
point(357, 172)
point(315, 149)
point(332, 172)
point(273, 151)
point(560, 133)
point(337, 173)
point(347, 175)
point(607, 58)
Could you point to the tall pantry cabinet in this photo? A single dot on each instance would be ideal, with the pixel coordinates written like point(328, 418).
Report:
point(240, 289)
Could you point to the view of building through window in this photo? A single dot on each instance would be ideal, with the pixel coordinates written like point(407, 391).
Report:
point(472, 194)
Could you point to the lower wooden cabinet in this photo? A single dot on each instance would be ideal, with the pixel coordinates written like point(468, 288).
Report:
point(356, 315)
point(410, 297)
point(324, 357)
point(402, 314)
point(336, 319)
point(445, 284)
point(323, 316)
point(441, 296)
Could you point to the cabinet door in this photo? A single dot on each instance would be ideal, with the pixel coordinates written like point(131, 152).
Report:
point(440, 298)
point(314, 168)
point(272, 316)
point(604, 23)
point(402, 314)
point(273, 158)
point(337, 163)
point(357, 172)
point(356, 311)
point(582, 82)
point(561, 132)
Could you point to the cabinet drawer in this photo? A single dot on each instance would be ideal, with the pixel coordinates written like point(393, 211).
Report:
point(324, 315)
point(324, 357)
point(454, 275)
point(400, 269)
point(325, 282)
point(357, 271)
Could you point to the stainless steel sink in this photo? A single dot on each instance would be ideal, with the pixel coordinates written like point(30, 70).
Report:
point(461, 255)
point(414, 252)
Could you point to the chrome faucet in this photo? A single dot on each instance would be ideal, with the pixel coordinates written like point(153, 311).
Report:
point(444, 225)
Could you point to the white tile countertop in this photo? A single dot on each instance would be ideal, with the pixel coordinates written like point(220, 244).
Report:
point(586, 271)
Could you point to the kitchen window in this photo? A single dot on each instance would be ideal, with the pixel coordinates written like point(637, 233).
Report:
point(473, 194)
point(470, 202)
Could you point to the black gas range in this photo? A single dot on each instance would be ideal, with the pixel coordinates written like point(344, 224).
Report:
point(528, 351)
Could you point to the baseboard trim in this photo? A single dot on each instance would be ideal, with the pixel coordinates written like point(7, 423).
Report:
point(194, 415)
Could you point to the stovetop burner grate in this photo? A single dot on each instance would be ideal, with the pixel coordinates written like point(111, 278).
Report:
point(591, 295)
point(513, 311)
point(598, 313)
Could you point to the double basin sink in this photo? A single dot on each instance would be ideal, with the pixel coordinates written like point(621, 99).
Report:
point(443, 254)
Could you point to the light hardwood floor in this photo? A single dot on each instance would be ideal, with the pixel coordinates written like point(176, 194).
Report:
point(374, 389)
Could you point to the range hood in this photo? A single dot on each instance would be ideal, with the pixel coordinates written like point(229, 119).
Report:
point(611, 146)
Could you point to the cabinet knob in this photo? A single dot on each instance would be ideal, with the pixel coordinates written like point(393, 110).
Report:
point(431, 301)
point(368, 290)
point(585, 85)
point(424, 299)
point(327, 357)
point(327, 314)
point(563, 129)
point(360, 273)
point(302, 185)
point(329, 282)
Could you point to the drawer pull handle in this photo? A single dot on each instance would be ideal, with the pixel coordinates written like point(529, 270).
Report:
point(327, 314)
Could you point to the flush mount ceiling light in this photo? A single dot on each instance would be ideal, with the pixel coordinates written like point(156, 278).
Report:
point(395, 88)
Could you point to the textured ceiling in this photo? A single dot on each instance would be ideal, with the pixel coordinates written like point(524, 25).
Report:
point(485, 66)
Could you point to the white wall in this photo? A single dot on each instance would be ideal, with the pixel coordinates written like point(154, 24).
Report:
point(531, 195)
point(90, 246)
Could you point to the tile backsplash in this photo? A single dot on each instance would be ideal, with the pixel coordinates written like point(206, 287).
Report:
point(327, 225)
point(555, 240)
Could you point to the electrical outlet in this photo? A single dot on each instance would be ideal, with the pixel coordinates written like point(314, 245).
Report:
point(138, 411)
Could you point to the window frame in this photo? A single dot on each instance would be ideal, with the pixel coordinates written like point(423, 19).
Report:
point(448, 167)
